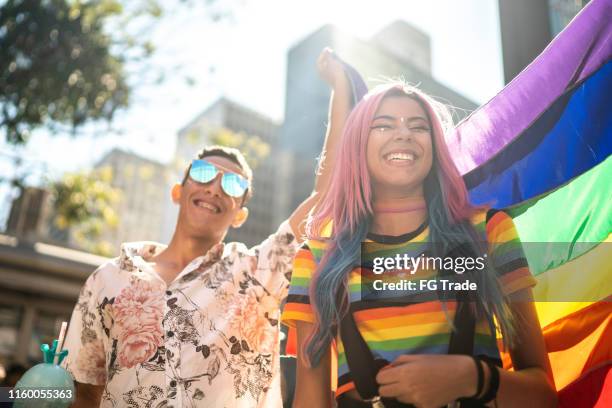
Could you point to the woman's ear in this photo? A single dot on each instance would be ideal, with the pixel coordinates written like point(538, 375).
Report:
point(176, 193)
point(240, 217)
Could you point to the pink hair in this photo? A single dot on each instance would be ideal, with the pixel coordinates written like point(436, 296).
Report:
point(348, 201)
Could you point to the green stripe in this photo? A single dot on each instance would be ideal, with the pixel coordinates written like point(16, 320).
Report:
point(575, 216)
point(304, 282)
point(421, 341)
point(409, 343)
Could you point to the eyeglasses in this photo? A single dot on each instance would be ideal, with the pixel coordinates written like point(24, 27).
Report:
point(234, 185)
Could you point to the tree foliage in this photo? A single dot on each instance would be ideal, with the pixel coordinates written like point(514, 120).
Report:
point(56, 65)
point(254, 148)
point(64, 63)
point(84, 203)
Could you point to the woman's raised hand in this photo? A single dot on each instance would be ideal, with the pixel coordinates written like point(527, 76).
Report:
point(330, 68)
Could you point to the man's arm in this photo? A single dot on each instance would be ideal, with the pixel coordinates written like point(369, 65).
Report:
point(87, 395)
point(331, 71)
point(86, 358)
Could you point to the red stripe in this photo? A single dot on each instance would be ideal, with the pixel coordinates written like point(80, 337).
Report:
point(592, 390)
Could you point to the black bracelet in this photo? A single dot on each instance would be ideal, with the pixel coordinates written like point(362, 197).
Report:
point(493, 383)
point(480, 381)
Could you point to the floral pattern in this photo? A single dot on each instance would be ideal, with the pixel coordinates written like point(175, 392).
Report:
point(210, 338)
point(137, 312)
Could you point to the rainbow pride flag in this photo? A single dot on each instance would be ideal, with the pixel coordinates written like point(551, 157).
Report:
point(541, 149)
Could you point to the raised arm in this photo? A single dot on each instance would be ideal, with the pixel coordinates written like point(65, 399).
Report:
point(331, 71)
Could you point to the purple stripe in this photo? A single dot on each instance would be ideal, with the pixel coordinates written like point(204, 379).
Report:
point(358, 86)
point(574, 54)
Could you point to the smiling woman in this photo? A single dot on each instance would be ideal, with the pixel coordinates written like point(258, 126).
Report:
point(395, 191)
point(399, 151)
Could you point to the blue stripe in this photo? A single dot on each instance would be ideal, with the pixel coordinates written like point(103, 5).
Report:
point(571, 137)
point(298, 290)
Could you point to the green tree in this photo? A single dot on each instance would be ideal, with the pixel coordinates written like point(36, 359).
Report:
point(254, 148)
point(56, 65)
point(84, 203)
point(65, 63)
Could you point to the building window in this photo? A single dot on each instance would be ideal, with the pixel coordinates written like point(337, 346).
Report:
point(10, 318)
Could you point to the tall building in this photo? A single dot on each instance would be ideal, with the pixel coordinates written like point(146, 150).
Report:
point(200, 132)
point(144, 186)
point(397, 51)
point(29, 215)
point(528, 26)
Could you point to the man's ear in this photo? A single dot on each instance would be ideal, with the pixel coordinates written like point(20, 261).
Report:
point(176, 193)
point(240, 217)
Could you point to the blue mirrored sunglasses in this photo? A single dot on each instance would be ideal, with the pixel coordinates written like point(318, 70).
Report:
point(234, 185)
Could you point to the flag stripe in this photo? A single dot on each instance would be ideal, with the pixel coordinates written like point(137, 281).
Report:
point(567, 140)
point(583, 279)
point(578, 343)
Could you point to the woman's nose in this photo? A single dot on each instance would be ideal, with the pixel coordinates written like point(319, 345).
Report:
point(403, 131)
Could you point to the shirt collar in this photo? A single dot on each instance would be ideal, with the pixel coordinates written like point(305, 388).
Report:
point(138, 254)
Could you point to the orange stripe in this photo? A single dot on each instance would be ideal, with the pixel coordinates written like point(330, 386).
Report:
point(298, 307)
point(305, 263)
point(382, 313)
point(578, 343)
point(519, 273)
point(344, 388)
point(496, 221)
point(304, 254)
point(291, 345)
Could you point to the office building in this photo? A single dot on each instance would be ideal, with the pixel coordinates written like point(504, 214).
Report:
point(528, 26)
point(144, 186)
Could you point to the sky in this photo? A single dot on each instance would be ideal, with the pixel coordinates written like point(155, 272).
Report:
point(248, 56)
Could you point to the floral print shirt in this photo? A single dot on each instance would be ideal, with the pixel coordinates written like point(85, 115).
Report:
point(209, 339)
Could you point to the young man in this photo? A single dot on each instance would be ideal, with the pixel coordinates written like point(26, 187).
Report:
point(195, 323)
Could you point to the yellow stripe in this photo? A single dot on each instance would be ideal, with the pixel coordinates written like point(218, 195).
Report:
point(290, 317)
point(479, 217)
point(586, 278)
point(300, 272)
point(315, 244)
point(396, 333)
point(501, 237)
point(550, 312)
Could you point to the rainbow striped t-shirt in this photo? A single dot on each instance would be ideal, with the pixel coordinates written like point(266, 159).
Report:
point(393, 329)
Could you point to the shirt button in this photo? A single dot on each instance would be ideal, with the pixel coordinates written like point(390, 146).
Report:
point(169, 292)
point(169, 333)
point(173, 383)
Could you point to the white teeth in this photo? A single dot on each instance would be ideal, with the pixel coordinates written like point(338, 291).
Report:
point(203, 204)
point(400, 156)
